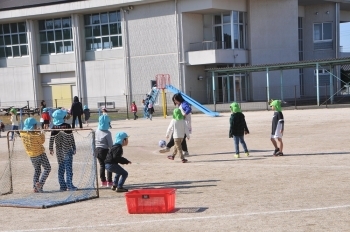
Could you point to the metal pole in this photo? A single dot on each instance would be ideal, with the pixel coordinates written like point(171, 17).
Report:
point(127, 107)
point(317, 86)
point(234, 88)
point(282, 85)
point(295, 96)
point(326, 97)
point(331, 85)
point(105, 101)
point(213, 80)
point(267, 85)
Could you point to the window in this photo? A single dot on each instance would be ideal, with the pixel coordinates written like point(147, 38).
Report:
point(322, 31)
point(323, 36)
point(13, 40)
point(56, 36)
point(103, 31)
point(230, 30)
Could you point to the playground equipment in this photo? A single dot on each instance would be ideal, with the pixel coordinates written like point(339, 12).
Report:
point(162, 81)
point(151, 98)
point(192, 102)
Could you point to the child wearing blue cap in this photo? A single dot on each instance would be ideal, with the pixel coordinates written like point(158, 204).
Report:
point(33, 144)
point(65, 149)
point(46, 117)
point(114, 158)
point(103, 141)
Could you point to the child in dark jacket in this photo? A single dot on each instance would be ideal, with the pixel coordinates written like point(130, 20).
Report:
point(114, 157)
point(238, 128)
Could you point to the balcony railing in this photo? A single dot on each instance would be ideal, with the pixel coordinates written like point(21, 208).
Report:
point(207, 45)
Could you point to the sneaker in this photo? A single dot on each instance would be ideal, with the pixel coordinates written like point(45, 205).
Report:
point(109, 183)
point(236, 156)
point(185, 153)
point(73, 188)
point(276, 151)
point(114, 187)
point(104, 184)
point(247, 154)
point(171, 157)
point(121, 190)
point(184, 161)
point(38, 188)
point(166, 149)
point(279, 153)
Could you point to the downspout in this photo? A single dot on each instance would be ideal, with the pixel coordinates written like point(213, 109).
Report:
point(32, 58)
point(127, 90)
point(180, 82)
point(337, 43)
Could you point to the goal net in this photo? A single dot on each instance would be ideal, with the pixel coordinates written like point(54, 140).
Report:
point(71, 169)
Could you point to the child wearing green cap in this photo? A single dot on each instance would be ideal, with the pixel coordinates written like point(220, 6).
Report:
point(238, 128)
point(277, 127)
point(179, 129)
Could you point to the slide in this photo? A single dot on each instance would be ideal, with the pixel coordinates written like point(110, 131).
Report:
point(192, 101)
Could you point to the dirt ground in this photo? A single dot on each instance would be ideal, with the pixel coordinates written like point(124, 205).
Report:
point(305, 190)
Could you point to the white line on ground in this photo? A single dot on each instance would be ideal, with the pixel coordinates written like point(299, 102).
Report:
point(184, 218)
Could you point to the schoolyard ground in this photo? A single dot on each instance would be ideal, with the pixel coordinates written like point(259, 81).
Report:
point(305, 190)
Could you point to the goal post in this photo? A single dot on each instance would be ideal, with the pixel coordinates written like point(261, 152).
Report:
point(18, 187)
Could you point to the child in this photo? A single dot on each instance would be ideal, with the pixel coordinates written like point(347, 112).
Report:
point(104, 112)
point(33, 144)
point(86, 112)
point(2, 127)
point(277, 127)
point(103, 139)
point(179, 129)
point(238, 128)
point(134, 110)
point(14, 122)
point(65, 149)
point(150, 110)
point(46, 116)
point(114, 157)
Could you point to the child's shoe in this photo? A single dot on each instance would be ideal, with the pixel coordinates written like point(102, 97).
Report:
point(114, 187)
point(247, 154)
point(184, 161)
point(171, 157)
point(73, 188)
point(104, 184)
point(276, 151)
point(185, 153)
point(279, 153)
point(109, 183)
point(121, 190)
point(236, 156)
point(166, 149)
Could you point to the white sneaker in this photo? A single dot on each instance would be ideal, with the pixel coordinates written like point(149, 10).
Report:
point(185, 153)
point(166, 149)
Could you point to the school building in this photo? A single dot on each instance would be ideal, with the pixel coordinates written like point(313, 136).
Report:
point(57, 49)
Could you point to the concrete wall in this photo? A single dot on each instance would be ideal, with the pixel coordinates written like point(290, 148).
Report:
point(16, 86)
point(151, 45)
point(309, 52)
point(273, 41)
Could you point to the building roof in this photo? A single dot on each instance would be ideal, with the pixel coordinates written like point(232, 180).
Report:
point(18, 4)
point(283, 66)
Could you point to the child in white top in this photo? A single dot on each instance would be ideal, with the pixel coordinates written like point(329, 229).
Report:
point(14, 122)
point(179, 129)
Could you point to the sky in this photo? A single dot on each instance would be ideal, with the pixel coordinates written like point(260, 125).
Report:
point(345, 36)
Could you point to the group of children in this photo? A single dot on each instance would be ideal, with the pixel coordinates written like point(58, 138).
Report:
point(110, 155)
point(238, 128)
point(33, 141)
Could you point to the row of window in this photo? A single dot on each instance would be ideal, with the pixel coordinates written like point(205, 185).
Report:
point(102, 31)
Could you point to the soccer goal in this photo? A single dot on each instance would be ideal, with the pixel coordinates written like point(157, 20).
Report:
point(17, 188)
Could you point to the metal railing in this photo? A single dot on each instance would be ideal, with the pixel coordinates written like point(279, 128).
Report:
point(207, 45)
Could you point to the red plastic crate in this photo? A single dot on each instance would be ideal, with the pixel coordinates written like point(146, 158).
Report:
point(150, 200)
